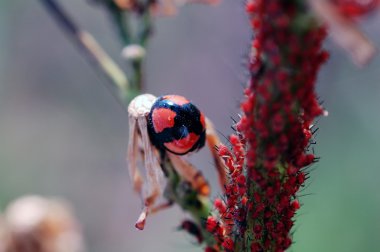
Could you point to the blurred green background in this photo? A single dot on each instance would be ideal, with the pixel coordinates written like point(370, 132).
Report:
point(63, 134)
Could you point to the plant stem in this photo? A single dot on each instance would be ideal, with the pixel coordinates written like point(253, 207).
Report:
point(179, 191)
point(119, 18)
point(127, 37)
point(93, 52)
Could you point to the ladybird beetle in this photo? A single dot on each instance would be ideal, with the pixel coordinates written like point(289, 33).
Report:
point(169, 123)
point(176, 125)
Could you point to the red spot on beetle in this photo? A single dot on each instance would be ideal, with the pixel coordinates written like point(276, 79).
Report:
point(176, 99)
point(163, 118)
point(183, 145)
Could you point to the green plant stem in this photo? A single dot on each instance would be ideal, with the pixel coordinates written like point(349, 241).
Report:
point(179, 191)
point(141, 37)
point(137, 66)
point(93, 52)
point(145, 29)
point(120, 18)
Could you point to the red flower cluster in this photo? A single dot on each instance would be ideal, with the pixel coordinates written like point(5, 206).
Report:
point(274, 133)
point(280, 107)
point(217, 230)
point(231, 211)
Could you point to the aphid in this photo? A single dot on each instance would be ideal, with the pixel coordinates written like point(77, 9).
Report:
point(171, 125)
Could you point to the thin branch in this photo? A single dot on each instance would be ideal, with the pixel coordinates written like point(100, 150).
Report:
point(90, 48)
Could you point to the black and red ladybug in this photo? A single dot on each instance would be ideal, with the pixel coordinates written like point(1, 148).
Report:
point(176, 125)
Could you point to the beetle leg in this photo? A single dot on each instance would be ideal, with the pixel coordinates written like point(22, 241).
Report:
point(160, 207)
point(190, 174)
point(140, 224)
point(153, 172)
point(213, 141)
point(153, 169)
point(132, 152)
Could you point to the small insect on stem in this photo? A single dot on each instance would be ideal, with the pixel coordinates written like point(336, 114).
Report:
point(169, 124)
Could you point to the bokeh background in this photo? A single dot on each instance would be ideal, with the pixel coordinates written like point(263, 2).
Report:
point(63, 134)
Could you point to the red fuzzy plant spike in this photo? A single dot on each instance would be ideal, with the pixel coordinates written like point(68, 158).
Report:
point(265, 163)
point(231, 212)
point(279, 109)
